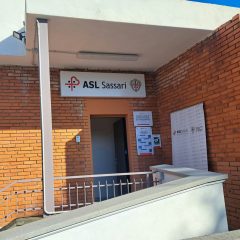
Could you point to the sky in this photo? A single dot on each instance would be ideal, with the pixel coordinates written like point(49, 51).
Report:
point(232, 3)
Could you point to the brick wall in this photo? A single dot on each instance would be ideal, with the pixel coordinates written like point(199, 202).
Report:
point(20, 134)
point(210, 73)
point(71, 116)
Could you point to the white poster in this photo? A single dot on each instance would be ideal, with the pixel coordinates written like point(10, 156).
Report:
point(143, 118)
point(189, 147)
point(144, 141)
point(93, 84)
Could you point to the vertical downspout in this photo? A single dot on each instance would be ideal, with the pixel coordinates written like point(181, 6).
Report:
point(46, 116)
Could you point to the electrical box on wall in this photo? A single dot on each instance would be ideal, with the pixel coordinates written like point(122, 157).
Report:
point(78, 139)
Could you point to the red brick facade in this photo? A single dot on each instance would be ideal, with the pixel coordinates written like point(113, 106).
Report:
point(20, 133)
point(209, 73)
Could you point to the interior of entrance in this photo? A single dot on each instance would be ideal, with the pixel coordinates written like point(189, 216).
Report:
point(109, 149)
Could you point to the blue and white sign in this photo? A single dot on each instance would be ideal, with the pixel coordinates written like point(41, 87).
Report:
point(144, 141)
point(107, 85)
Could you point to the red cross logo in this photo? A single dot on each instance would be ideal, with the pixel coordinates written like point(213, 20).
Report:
point(72, 83)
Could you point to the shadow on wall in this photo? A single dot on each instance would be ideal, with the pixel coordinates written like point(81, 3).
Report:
point(11, 46)
point(213, 214)
point(196, 212)
point(72, 191)
point(75, 164)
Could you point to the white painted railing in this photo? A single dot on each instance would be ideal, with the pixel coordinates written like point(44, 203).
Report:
point(78, 191)
point(21, 197)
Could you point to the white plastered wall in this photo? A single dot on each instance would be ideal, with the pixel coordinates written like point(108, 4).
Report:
point(195, 212)
point(173, 13)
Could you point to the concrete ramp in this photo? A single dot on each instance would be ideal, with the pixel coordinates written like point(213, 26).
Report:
point(192, 205)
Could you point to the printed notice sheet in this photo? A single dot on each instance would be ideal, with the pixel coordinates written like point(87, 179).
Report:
point(144, 141)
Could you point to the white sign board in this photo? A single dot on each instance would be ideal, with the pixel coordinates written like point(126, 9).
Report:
point(189, 147)
point(142, 118)
point(144, 141)
point(93, 84)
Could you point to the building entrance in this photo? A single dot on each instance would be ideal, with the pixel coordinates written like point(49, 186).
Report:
point(109, 150)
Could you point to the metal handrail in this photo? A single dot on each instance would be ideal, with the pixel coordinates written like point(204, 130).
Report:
point(74, 177)
point(14, 194)
point(103, 175)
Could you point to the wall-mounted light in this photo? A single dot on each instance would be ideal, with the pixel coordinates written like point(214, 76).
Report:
point(20, 36)
point(107, 56)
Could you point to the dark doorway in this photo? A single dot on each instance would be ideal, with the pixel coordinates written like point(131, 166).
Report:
point(110, 153)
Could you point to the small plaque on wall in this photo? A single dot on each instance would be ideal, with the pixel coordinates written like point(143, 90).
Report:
point(143, 118)
point(157, 140)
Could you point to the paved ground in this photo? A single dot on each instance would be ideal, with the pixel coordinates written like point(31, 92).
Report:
point(20, 221)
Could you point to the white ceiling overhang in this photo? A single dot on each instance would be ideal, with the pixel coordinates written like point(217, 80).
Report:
point(157, 31)
point(155, 45)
